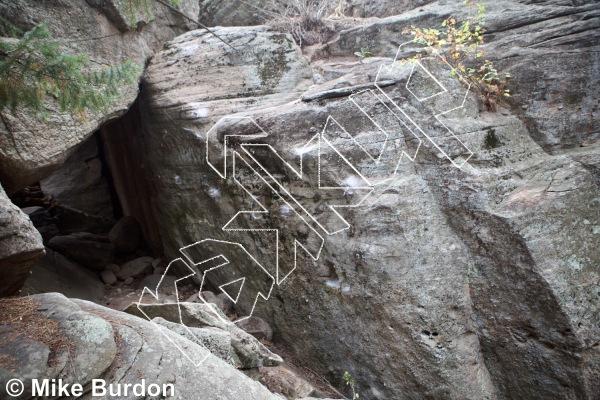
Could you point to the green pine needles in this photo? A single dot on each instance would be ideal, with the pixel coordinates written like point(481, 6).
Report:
point(34, 66)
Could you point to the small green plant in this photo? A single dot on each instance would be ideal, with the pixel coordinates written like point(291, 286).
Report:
point(363, 53)
point(352, 383)
point(491, 140)
point(459, 43)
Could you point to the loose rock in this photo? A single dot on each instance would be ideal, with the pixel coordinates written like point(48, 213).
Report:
point(125, 235)
point(135, 268)
point(89, 253)
point(108, 277)
point(257, 327)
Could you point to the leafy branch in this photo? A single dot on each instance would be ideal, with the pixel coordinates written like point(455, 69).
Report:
point(460, 44)
point(350, 381)
point(363, 53)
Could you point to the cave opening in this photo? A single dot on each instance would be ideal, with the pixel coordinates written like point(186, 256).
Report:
point(94, 215)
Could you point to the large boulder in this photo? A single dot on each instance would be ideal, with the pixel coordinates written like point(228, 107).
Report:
point(446, 282)
point(92, 254)
point(93, 342)
point(269, 72)
point(56, 273)
point(125, 235)
point(79, 183)
point(20, 246)
point(249, 351)
point(31, 147)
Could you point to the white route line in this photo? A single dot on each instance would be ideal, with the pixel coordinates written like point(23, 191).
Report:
point(227, 262)
point(461, 77)
point(225, 140)
point(162, 329)
point(403, 153)
point(265, 211)
point(287, 195)
point(310, 215)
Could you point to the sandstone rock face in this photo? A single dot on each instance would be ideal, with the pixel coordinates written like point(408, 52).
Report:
point(20, 246)
point(441, 282)
point(121, 348)
point(33, 149)
point(551, 94)
point(263, 69)
point(257, 12)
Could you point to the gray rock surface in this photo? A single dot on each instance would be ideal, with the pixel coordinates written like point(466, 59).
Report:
point(210, 297)
point(217, 341)
point(108, 277)
point(20, 246)
point(550, 94)
point(122, 348)
point(233, 12)
point(90, 352)
point(258, 12)
point(79, 182)
point(267, 69)
point(31, 149)
point(134, 268)
point(383, 8)
point(250, 352)
point(113, 267)
point(91, 254)
point(282, 380)
point(471, 283)
point(226, 302)
point(125, 235)
point(257, 327)
point(164, 283)
point(56, 273)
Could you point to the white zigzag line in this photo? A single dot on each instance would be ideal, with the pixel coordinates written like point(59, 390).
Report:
point(223, 175)
point(161, 329)
point(306, 212)
point(382, 67)
point(265, 211)
point(223, 264)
